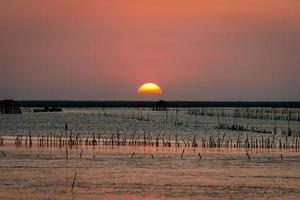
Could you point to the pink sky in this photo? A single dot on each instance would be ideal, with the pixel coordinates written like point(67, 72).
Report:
point(195, 50)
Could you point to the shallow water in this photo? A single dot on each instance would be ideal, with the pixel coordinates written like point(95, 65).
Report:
point(106, 172)
point(110, 173)
point(126, 121)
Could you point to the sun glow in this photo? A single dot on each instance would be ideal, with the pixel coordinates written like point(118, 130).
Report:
point(150, 88)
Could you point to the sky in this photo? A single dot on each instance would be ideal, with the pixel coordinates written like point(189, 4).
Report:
point(219, 50)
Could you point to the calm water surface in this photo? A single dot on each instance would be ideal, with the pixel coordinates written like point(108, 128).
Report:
point(126, 121)
point(110, 173)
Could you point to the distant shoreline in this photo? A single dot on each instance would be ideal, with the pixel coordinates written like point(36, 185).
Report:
point(150, 104)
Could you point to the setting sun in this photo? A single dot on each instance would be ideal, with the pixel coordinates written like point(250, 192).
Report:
point(150, 88)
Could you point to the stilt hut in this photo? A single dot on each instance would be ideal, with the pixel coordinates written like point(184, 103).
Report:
point(9, 107)
point(160, 106)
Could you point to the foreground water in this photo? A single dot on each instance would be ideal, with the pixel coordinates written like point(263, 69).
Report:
point(113, 173)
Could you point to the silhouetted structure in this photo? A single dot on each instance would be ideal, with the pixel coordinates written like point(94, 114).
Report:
point(160, 106)
point(9, 107)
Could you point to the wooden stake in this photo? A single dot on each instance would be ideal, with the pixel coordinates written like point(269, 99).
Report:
point(200, 157)
point(73, 184)
point(81, 153)
point(182, 154)
point(248, 156)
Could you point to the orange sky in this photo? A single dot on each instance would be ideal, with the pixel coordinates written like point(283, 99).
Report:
point(195, 50)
